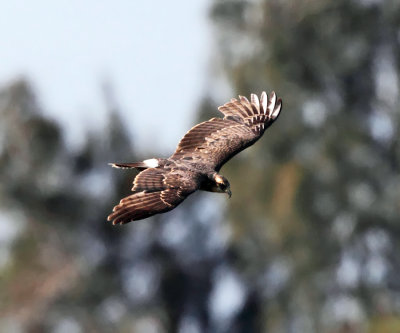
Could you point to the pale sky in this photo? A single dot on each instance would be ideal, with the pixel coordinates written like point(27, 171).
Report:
point(154, 53)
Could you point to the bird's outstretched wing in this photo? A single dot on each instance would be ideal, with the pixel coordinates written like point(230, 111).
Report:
point(155, 191)
point(217, 140)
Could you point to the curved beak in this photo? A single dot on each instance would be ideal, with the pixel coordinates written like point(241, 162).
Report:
point(228, 191)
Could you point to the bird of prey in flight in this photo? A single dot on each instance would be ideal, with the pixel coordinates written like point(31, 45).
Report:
point(163, 183)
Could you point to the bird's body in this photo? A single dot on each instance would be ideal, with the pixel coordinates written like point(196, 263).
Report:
point(162, 184)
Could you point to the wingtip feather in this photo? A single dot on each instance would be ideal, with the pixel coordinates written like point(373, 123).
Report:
point(264, 102)
point(277, 109)
point(271, 103)
point(255, 103)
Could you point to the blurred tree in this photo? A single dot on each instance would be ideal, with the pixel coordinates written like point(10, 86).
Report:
point(320, 231)
point(53, 197)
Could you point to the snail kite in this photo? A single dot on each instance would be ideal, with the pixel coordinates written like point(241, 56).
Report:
point(163, 183)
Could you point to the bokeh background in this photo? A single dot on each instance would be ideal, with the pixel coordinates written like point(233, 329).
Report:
point(309, 241)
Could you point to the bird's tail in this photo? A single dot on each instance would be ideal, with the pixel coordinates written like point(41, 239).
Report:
point(135, 165)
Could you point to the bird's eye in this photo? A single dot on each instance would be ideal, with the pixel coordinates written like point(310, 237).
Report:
point(222, 186)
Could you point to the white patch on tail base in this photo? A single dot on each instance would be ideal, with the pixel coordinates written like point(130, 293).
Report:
point(151, 163)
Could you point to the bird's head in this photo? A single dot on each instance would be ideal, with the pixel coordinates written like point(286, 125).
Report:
point(222, 184)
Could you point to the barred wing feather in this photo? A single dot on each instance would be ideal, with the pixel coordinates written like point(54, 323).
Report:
point(217, 140)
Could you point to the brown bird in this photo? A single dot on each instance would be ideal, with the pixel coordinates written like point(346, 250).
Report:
point(163, 183)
